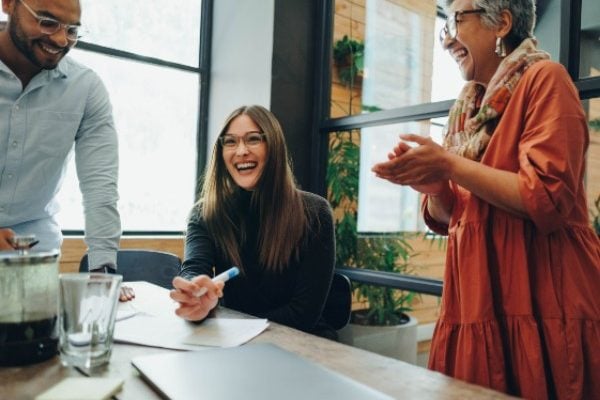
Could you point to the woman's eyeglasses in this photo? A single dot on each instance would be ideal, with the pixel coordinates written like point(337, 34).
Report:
point(49, 26)
point(250, 139)
point(450, 29)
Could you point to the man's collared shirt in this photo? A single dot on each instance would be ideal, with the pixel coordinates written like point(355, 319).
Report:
point(39, 126)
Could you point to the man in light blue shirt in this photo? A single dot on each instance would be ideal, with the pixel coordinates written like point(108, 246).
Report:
point(48, 105)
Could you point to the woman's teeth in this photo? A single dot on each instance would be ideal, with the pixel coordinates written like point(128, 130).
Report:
point(247, 165)
point(459, 55)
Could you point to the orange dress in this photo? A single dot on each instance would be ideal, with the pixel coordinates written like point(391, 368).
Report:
point(521, 302)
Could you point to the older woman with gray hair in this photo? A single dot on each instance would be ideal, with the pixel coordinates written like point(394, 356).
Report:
point(520, 309)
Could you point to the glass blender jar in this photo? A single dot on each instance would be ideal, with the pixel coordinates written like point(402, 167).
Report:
point(29, 293)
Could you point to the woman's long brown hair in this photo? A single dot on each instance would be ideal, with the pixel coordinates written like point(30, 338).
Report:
point(281, 208)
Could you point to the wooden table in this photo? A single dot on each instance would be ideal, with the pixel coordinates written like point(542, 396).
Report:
point(393, 377)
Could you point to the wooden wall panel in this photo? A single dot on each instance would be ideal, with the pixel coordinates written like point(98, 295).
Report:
point(73, 248)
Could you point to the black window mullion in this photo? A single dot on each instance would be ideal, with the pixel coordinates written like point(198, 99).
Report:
point(204, 60)
point(319, 143)
point(412, 113)
point(588, 88)
point(570, 22)
point(109, 51)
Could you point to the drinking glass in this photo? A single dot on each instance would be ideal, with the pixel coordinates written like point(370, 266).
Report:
point(87, 311)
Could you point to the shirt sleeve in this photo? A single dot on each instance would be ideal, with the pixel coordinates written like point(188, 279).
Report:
point(200, 251)
point(317, 265)
point(438, 227)
point(552, 148)
point(97, 163)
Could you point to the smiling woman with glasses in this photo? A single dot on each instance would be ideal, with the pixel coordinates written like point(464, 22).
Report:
point(520, 308)
point(252, 215)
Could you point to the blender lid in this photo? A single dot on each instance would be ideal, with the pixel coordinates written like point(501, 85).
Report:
point(28, 257)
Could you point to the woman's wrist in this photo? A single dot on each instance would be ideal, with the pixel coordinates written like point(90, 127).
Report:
point(439, 204)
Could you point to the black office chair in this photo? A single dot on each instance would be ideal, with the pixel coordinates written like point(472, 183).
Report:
point(152, 266)
point(339, 302)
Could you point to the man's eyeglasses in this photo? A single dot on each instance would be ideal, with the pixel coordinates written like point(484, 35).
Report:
point(450, 29)
point(250, 139)
point(49, 26)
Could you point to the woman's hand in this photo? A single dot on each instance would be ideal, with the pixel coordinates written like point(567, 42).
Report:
point(191, 307)
point(424, 167)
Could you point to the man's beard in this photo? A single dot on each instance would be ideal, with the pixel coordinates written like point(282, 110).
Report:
point(26, 47)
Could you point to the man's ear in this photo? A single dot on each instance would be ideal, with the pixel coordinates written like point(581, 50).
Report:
point(8, 6)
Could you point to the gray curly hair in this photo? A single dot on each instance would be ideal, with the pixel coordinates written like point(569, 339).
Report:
point(523, 13)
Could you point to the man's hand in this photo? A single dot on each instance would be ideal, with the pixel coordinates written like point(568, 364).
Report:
point(127, 292)
point(6, 239)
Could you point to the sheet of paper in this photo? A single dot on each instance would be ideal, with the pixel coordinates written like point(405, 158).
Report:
point(150, 320)
point(147, 330)
point(176, 333)
point(226, 332)
point(80, 388)
point(149, 299)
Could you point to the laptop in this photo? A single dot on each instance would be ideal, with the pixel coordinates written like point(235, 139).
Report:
point(252, 371)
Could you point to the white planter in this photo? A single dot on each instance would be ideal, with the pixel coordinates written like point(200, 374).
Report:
point(398, 341)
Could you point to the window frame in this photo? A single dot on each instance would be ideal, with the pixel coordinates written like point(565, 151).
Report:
point(202, 69)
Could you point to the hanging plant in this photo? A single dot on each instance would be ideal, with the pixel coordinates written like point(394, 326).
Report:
point(348, 57)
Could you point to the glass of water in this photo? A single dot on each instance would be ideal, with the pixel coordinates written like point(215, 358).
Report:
point(87, 311)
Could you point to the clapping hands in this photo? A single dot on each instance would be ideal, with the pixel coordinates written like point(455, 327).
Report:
point(423, 167)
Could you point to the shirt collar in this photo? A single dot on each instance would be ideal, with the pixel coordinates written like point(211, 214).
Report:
point(4, 68)
point(59, 72)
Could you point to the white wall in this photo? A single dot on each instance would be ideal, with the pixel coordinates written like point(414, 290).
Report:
point(242, 49)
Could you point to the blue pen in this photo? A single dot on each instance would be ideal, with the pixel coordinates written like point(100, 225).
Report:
point(222, 277)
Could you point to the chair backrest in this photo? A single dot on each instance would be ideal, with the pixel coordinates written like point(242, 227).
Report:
point(152, 266)
point(339, 302)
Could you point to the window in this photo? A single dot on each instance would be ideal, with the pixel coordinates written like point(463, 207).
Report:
point(590, 39)
point(148, 58)
point(389, 76)
point(387, 56)
point(146, 27)
point(589, 90)
point(156, 125)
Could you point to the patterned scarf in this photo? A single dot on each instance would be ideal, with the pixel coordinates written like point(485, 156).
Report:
point(475, 114)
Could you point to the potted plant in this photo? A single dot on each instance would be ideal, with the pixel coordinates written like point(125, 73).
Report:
point(383, 326)
point(348, 57)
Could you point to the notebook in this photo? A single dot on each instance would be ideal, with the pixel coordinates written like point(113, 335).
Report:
point(253, 371)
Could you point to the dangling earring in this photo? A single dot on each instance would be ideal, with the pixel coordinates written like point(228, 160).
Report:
point(500, 48)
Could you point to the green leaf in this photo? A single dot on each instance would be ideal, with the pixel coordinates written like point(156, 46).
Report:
point(391, 253)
